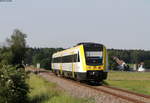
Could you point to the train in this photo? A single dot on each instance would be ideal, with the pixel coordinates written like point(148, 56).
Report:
point(85, 61)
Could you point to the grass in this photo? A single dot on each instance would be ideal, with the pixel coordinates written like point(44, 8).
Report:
point(135, 81)
point(43, 91)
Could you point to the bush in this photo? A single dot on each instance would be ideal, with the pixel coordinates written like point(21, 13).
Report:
point(45, 63)
point(13, 87)
point(147, 64)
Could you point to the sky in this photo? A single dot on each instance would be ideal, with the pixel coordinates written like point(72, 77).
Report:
point(119, 24)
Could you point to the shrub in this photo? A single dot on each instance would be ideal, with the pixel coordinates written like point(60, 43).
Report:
point(147, 64)
point(13, 87)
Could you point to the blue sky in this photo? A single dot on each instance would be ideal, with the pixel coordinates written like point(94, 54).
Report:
point(121, 24)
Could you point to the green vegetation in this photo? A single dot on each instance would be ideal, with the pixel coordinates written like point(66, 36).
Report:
point(147, 64)
point(134, 81)
point(40, 55)
point(13, 86)
point(14, 52)
point(46, 92)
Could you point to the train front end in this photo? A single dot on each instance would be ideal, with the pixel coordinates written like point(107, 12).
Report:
point(96, 63)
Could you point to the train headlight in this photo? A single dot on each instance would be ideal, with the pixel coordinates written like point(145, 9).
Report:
point(88, 67)
point(100, 67)
point(94, 67)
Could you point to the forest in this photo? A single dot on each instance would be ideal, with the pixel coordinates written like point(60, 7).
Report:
point(44, 56)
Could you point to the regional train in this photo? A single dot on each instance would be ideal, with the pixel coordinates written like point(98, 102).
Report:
point(83, 62)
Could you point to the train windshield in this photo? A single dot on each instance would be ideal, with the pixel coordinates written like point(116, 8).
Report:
point(94, 55)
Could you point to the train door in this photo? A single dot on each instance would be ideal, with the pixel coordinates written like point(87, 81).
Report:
point(73, 65)
point(60, 65)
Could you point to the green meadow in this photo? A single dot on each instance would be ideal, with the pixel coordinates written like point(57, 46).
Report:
point(134, 81)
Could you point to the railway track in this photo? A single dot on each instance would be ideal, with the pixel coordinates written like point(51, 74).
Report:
point(124, 94)
point(119, 93)
point(122, 90)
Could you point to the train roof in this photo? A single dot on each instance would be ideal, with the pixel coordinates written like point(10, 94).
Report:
point(88, 43)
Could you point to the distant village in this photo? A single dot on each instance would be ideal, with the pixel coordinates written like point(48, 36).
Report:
point(122, 66)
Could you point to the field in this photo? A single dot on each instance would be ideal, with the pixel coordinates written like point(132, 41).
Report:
point(46, 92)
point(135, 81)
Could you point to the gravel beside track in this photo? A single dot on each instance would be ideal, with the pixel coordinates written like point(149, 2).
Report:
point(81, 91)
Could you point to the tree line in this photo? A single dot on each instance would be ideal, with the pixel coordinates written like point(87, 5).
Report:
point(44, 56)
point(40, 55)
point(130, 57)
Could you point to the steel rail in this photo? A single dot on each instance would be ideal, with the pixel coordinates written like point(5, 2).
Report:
point(127, 91)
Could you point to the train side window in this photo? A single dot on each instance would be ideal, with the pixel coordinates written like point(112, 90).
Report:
point(75, 58)
point(78, 57)
point(57, 60)
point(71, 58)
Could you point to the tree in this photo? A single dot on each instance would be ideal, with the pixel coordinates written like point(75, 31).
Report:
point(13, 86)
point(17, 44)
point(147, 64)
point(6, 56)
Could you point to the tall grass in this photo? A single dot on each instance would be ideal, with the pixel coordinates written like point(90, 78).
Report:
point(46, 92)
point(134, 81)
